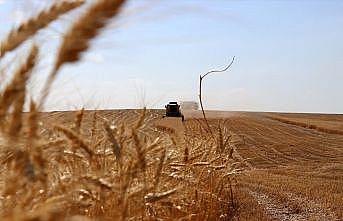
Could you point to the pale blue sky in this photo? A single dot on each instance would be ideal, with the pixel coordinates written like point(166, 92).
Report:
point(289, 55)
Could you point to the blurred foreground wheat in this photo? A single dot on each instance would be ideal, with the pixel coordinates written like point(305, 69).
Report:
point(103, 167)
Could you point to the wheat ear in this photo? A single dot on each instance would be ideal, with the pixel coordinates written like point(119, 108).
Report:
point(32, 121)
point(78, 121)
point(114, 143)
point(29, 28)
point(75, 139)
point(77, 39)
point(15, 91)
point(16, 121)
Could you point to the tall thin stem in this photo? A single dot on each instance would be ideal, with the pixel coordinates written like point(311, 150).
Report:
point(200, 92)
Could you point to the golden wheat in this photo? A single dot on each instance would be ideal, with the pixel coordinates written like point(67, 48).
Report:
point(33, 25)
point(15, 93)
point(128, 169)
point(77, 38)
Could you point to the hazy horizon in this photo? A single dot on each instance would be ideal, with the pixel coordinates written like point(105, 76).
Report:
point(289, 56)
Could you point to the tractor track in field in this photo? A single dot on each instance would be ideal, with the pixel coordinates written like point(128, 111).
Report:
point(307, 125)
point(173, 125)
point(265, 139)
point(287, 206)
point(306, 210)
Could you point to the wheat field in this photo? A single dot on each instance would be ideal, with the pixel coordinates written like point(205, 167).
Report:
point(95, 165)
point(113, 165)
point(133, 165)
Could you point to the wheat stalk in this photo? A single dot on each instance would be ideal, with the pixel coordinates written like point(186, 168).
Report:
point(186, 155)
point(76, 140)
point(78, 120)
point(15, 92)
point(114, 143)
point(29, 28)
point(139, 150)
point(87, 27)
point(153, 197)
point(77, 39)
point(32, 121)
point(159, 169)
point(94, 120)
point(18, 82)
point(141, 119)
point(16, 122)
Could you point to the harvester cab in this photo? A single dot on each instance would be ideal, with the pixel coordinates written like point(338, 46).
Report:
point(173, 110)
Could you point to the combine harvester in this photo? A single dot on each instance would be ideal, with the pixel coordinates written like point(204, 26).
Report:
point(172, 121)
point(173, 110)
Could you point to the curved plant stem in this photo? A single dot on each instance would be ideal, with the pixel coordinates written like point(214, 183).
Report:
point(200, 91)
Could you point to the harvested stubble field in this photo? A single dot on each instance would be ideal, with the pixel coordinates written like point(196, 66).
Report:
point(292, 172)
